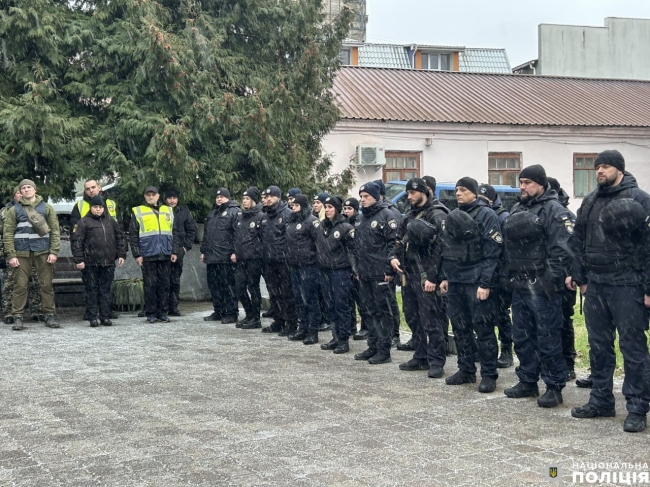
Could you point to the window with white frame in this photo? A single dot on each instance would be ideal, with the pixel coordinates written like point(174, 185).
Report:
point(346, 57)
point(436, 61)
point(503, 168)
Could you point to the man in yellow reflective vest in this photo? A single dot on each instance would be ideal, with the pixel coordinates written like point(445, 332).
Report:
point(151, 239)
point(81, 209)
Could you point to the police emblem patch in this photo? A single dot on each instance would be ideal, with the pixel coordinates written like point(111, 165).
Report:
point(392, 224)
point(252, 224)
point(373, 224)
point(299, 226)
point(168, 217)
point(362, 188)
point(279, 220)
point(337, 234)
point(316, 223)
point(496, 236)
point(351, 234)
point(357, 223)
point(414, 185)
point(224, 213)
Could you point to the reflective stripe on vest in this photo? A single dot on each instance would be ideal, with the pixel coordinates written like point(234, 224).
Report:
point(155, 230)
point(25, 237)
point(84, 207)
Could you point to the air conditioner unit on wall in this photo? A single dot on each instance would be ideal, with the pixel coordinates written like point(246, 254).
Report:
point(370, 155)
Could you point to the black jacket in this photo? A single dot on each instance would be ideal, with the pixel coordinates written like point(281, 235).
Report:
point(219, 236)
point(558, 229)
point(75, 216)
point(184, 230)
point(499, 209)
point(273, 225)
point(248, 234)
point(417, 259)
point(483, 272)
point(335, 244)
point(583, 235)
point(98, 241)
point(301, 238)
point(375, 232)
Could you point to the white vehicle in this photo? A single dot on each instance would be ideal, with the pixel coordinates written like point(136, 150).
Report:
point(63, 208)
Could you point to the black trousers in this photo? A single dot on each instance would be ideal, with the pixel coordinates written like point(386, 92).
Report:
point(355, 303)
point(97, 280)
point(247, 286)
point(221, 282)
point(611, 309)
point(155, 274)
point(426, 317)
point(175, 284)
point(468, 315)
point(568, 333)
point(376, 300)
point(394, 308)
point(277, 276)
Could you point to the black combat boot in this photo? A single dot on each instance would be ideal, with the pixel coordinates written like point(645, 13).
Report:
point(342, 346)
point(311, 338)
point(331, 345)
point(522, 389)
point(551, 398)
point(634, 423)
point(288, 329)
point(505, 359)
point(298, 335)
point(365, 355)
point(460, 377)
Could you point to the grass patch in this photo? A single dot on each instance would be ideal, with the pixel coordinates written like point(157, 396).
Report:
point(581, 341)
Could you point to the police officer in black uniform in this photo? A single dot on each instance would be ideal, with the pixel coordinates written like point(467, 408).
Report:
point(612, 268)
point(351, 212)
point(503, 292)
point(417, 255)
point(395, 341)
point(472, 245)
point(375, 233)
point(276, 270)
point(538, 255)
point(568, 296)
point(249, 264)
point(218, 253)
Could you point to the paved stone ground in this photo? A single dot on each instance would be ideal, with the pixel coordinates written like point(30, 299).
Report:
point(193, 403)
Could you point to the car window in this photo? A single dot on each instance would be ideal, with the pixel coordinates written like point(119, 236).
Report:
point(402, 203)
point(448, 198)
point(508, 199)
point(393, 189)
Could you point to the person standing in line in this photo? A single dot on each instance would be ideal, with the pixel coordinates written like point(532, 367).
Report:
point(612, 268)
point(336, 259)
point(351, 213)
point(472, 244)
point(276, 272)
point(152, 243)
point(417, 256)
point(218, 253)
point(375, 233)
point(538, 256)
point(184, 232)
point(32, 238)
point(248, 250)
point(98, 243)
point(9, 276)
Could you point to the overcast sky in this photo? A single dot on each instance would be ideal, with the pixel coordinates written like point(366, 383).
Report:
point(509, 24)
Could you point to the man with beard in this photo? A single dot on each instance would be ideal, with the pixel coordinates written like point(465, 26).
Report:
point(152, 245)
point(537, 235)
point(417, 255)
point(248, 252)
point(612, 267)
point(184, 232)
point(472, 244)
point(375, 233)
point(276, 270)
point(218, 253)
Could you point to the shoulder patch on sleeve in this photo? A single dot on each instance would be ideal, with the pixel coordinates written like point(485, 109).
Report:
point(351, 233)
point(496, 236)
point(316, 223)
point(392, 224)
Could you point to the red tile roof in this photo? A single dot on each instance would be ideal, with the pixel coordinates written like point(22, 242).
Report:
point(436, 96)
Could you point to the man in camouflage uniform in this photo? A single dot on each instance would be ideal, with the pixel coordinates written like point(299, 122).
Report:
point(8, 276)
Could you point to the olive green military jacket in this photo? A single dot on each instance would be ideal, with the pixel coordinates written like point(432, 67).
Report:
point(9, 229)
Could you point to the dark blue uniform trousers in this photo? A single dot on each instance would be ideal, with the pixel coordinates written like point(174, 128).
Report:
point(376, 299)
point(503, 298)
point(609, 309)
point(305, 282)
point(467, 315)
point(337, 285)
point(537, 332)
point(426, 317)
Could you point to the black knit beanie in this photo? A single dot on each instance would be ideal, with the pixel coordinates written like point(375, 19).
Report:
point(301, 199)
point(611, 158)
point(468, 183)
point(336, 202)
point(352, 202)
point(253, 193)
point(96, 201)
point(535, 173)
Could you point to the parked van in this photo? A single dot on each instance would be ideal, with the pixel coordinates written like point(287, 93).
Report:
point(446, 193)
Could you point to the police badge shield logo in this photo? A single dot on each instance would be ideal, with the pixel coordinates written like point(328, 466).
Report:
point(299, 226)
point(316, 223)
point(337, 234)
point(496, 236)
point(252, 224)
point(392, 224)
point(414, 185)
point(373, 224)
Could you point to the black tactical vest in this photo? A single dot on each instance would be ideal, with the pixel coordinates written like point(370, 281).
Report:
point(606, 253)
point(525, 241)
point(461, 238)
